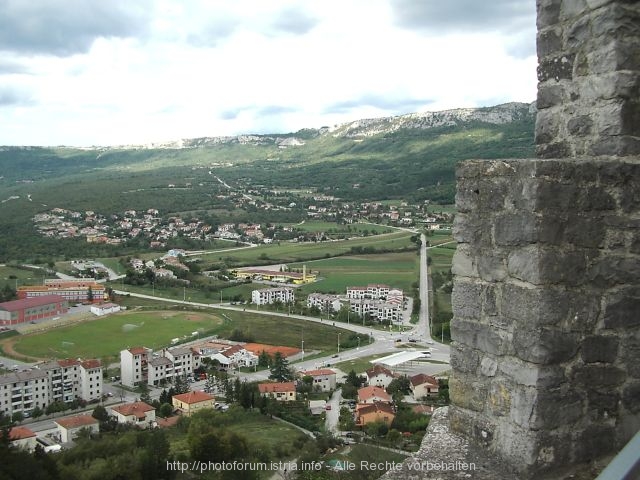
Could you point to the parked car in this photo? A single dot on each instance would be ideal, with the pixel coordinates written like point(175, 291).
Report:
point(327, 407)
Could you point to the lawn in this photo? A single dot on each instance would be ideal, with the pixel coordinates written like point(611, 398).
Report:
point(16, 277)
point(394, 269)
point(288, 252)
point(105, 337)
point(359, 365)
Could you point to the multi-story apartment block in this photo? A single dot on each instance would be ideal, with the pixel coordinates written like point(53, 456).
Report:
point(134, 365)
point(326, 303)
point(140, 364)
point(24, 391)
point(372, 292)
point(90, 380)
point(377, 309)
point(266, 296)
point(72, 379)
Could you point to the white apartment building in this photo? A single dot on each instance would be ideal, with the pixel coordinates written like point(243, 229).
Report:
point(70, 379)
point(90, 380)
point(134, 365)
point(140, 364)
point(24, 391)
point(326, 303)
point(373, 291)
point(266, 296)
point(377, 309)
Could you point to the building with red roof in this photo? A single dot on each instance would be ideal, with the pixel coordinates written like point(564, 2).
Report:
point(140, 414)
point(423, 385)
point(70, 427)
point(16, 312)
point(70, 290)
point(374, 412)
point(22, 437)
point(373, 394)
point(282, 391)
point(190, 402)
point(324, 379)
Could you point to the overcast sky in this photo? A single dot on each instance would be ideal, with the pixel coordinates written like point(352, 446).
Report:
point(94, 72)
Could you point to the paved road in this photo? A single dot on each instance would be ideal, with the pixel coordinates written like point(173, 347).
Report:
point(333, 415)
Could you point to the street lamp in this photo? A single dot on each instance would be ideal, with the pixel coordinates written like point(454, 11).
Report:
point(358, 342)
point(338, 342)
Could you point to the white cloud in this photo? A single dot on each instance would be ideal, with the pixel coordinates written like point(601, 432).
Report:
point(189, 69)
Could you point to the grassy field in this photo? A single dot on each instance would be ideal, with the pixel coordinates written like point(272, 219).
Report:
point(288, 252)
point(395, 269)
point(13, 277)
point(105, 337)
point(353, 228)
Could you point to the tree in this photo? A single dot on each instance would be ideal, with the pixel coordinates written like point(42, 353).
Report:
point(17, 417)
point(280, 370)
point(166, 409)
point(264, 360)
point(180, 385)
point(100, 414)
point(37, 412)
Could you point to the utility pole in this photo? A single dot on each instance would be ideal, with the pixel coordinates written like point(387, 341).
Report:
point(338, 342)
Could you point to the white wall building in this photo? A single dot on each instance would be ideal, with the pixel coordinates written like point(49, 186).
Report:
point(326, 303)
point(23, 391)
point(266, 296)
point(377, 309)
point(134, 365)
point(90, 380)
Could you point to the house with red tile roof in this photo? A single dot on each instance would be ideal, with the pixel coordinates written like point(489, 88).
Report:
point(373, 394)
point(191, 402)
point(69, 427)
point(374, 412)
point(22, 437)
point(379, 376)
point(324, 379)
point(140, 414)
point(423, 385)
point(281, 391)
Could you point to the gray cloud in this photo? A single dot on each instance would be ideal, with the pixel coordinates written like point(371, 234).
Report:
point(511, 17)
point(216, 31)
point(10, 67)
point(294, 21)
point(389, 103)
point(67, 27)
point(258, 112)
point(11, 97)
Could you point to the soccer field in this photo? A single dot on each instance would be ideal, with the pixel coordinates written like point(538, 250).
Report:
point(105, 337)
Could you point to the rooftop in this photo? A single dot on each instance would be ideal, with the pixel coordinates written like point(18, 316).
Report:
point(194, 397)
point(16, 305)
point(77, 421)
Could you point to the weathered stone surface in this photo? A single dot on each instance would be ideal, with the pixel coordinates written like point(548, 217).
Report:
point(479, 336)
point(544, 346)
point(467, 393)
point(464, 359)
point(556, 408)
point(515, 229)
point(499, 399)
point(596, 441)
point(600, 375)
point(622, 308)
point(466, 296)
point(631, 397)
point(491, 266)
point(463, 263)
point(602, 404)
point(531, 375)
point(599, 348)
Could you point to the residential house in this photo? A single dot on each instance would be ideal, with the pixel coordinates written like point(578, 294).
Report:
point(139, 414)
point(367, 413)
point(379, 376)
point(324, 379)
point(191, 402)
point(235, 356)
point(185, 360)
point(282, 391)
point(104, 309)
point(70, 427)
point(372, 394)
point(23, 438)
point(423, 385)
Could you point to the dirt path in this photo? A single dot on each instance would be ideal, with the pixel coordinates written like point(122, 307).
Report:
point(9, 351)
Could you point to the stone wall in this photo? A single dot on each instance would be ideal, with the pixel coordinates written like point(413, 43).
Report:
point(546, 306)
point(589, 88)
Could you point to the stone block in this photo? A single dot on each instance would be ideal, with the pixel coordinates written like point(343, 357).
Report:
point(530, 374)
point(570, 9)
point(470, 228)
point(479, 336)
point(523, 401)
point(499, 399)
point(595, 198)
point(586, 376)
point(463, 263)
point(629, 355)
point(599, 348)
point(556, 67)
point(555, 196)
point(602, 404)
point(466, 299)
point(523, 264)
point(548, 42)
point(467, 393)
point(616, 146)
point(464, 359)
point(556, 408)
point(615, 269)
point(622, 307)
point(631, 397)
point(548, 13)
point(547, 122)
point(555, 149)
point(488, 366)
point(550, 95)
point(515, 229)
point(544, 346)
point(580, 126)
point(491, 266)
point(489, 301)
point(585, 231)
point(562, 266)
point(594, 442)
